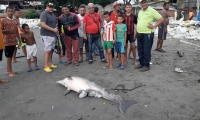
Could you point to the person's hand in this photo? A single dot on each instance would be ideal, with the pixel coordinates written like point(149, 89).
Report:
point(150, 26)
point(55, 30)
point(113, 41)
point(85, 37)
point(165, 30)
point(68, 28)
point(124, 44)
point(62, 34)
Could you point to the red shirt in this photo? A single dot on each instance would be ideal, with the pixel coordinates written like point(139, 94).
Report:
point(10, 38)
point(114, 17)
point(92, 23)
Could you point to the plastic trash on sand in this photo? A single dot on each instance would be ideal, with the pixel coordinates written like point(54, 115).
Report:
point(179, 70)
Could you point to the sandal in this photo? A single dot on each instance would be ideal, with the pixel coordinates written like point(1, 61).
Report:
point(156, 49)
point(105, 66)
point(162, 50)
point(110, 68)
point(80, 61)
point(76, 63)
point(68, 63)
point(12, 75)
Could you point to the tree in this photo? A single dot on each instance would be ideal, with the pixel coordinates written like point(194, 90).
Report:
point(58, 3)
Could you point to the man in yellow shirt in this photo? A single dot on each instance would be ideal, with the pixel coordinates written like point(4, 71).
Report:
point(145, 34)
point(2, 46)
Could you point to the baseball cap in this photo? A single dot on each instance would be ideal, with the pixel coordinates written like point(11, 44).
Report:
point(50, 4)
point(116, 3)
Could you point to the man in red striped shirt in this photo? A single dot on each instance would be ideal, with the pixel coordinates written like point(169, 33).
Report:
point(130, 20)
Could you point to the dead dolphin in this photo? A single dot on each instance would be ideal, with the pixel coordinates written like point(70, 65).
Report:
point(86, 87)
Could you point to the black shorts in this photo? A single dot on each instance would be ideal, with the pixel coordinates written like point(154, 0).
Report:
point(130, 38)
point(1, 54)
point(161, 32)
point(9, 50)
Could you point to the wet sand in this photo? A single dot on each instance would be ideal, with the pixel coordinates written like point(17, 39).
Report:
point(168, 95)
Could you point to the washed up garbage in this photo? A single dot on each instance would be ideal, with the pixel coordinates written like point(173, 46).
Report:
point(180, 54)
point(179, 70)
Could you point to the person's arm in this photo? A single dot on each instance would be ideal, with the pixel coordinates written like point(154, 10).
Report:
point(59, 26)
point(84, 28)
point(125, 35)
point(34, 37)
point(23, 40)
point(135, 19)
point(78, 23)
point(164, 15)
point(159, 19)
point(135, 34)
point(101, 23)
point(114, 36)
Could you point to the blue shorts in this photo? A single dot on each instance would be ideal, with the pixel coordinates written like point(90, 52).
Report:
point(119, 47)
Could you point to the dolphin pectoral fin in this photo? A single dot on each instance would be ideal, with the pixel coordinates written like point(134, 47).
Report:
point(82, 94)
point(124, 105)
point(66, 92)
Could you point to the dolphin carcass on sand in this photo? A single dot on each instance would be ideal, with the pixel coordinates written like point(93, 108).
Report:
point(85, 87)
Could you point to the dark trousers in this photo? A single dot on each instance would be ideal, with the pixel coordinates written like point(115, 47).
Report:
point(144, 45)
point(63, 45)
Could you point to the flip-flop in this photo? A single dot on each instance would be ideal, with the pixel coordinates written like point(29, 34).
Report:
point(80, 61)
point(105, 66)
point(162, 50)
point(156, 49)
point(3, 81)
point(16, 61)
point(76, 63)
point(12, 75)
point(68, 63)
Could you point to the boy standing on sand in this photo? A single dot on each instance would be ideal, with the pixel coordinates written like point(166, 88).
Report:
point(28, 38)
point(10, 33)
point(17, 16)
point(121, 42)
point(109, 37)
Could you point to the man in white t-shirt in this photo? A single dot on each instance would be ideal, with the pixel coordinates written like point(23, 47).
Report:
point(82, 12)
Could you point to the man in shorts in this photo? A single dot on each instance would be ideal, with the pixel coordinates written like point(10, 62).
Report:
point(162, 29)
point(48, 34)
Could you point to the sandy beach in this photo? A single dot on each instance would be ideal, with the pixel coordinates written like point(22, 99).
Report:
point(165, 94)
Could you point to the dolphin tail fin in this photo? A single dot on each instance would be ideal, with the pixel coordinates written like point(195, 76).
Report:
point(124, 105)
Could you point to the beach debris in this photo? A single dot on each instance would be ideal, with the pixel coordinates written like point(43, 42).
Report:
point(145, 105)
point(179, 70)
point(199, 80)
point(180, 54)
point(104, 103)
point(52, 107)
point(123, 88)
point(93, 108)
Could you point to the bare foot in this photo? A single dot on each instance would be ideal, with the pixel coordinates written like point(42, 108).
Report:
point(3, 81)
point(135, 63)
point(110, 68)
point(12, 74)
point(106, 66)
point(16, 61)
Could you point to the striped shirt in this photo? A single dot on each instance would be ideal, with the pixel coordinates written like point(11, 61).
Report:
point(109, 28)
point(130, 21)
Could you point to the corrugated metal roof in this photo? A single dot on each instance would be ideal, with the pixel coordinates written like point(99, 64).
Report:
point(187, 3)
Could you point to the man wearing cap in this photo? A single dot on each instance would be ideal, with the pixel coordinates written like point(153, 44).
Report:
point(70, 22)
point(48, 34)
point(145, 34)
point(91, 29)
point(114, 15)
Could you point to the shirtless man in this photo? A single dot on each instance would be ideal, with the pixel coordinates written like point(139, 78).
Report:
point(162, 29)
point(28, 38)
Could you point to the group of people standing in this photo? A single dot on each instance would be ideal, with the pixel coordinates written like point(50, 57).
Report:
point(85, 29)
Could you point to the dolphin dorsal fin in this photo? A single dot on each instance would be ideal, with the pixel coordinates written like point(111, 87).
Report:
point(70, 78)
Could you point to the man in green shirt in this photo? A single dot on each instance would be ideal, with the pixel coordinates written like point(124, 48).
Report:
point(145, 34)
